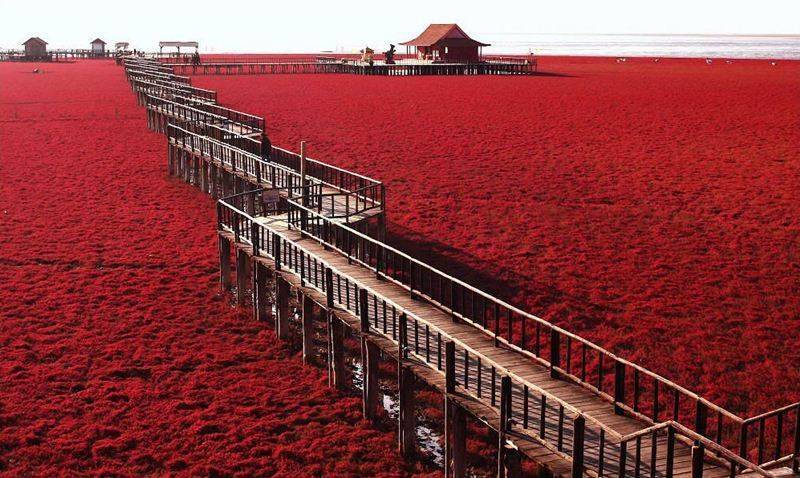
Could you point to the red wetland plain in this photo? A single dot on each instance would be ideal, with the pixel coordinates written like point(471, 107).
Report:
point(652, 207)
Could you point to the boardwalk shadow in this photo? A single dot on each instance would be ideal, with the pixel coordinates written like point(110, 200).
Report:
point(520, 290)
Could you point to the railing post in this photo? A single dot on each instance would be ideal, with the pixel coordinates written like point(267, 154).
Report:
point(276, 244)
point(450, 366)
point(623, 458)
point(697, 460)
point(796, 453)
point(579, 429)
point(670, 452)
point(255, 237)
point(503, 426)
point(555, 353)
point(329, 287)
point(743, 441)
point(701, 418)
point(619, 386)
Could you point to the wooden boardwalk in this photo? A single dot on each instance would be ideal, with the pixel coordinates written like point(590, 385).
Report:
point(571, 406)
point(399, 69)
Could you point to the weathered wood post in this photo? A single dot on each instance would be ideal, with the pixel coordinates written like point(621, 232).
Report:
point(262, 308)
point(224, 263)
point(214, 181)
point(455, 421)
point(242, 275)
point(308, 329)
point(697, 460)
point(796, 452)
point(578, 440)
point(406, 382)
point(203, 176)
point(336, 377)
point(502, 427)
point(555, 353)
point(619, 386)
point(369, 360)
point(170, 158)
point(282, 307)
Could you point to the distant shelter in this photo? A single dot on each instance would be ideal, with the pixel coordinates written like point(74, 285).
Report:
point(98, 47)
point(35, 47)
point(446, 43)
point(178, 45)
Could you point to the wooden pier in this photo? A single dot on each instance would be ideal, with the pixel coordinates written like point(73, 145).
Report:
point(400, 69)
point(296, 229)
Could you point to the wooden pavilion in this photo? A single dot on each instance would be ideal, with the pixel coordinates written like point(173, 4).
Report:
point(98, 47)
point(446, 43)
point(178, 45)
point(35, 47)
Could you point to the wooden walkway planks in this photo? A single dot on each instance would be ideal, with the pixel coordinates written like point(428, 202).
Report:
point(513, 363)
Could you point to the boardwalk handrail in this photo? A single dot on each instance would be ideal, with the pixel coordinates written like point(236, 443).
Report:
point(247, 230)
point(139, 84)
point(412, 274)
point(339, 178)
point(254, 122)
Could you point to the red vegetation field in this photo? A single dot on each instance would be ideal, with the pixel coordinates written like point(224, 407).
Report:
point(651, 206)
point(117, 354)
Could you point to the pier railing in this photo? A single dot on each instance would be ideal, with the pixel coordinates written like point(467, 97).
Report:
point(253, 122)
point(531, 412)
point(168, 90)
point(366, 189)
point(567, 355)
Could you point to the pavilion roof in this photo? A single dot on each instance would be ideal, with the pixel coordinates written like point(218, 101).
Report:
point(437, 32)
point(97, 40)
point(35, 39)
point(178, 44)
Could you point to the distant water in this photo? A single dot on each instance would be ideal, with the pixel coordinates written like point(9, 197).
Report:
point(686, 46)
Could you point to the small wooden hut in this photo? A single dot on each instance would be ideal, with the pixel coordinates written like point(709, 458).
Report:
point(446, 43)
point(35, 47)
point(98, 47)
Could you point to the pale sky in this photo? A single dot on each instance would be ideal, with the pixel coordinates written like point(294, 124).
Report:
point(303, 26)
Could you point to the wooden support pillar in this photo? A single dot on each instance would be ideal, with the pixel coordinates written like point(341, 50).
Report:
point(227, 187)
point(203, 176)
point(406, 383)
point(224, 263)
point(308, 329)
point(170, 159)
point(369, 361)
point(455, 421)
point(504, 452)
point(455, 437)
point(214, 181)
point(407, 418)
point(242, 274)
point(262, 307)
point(336, 375)
point(187, 167)
point(282, 307)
